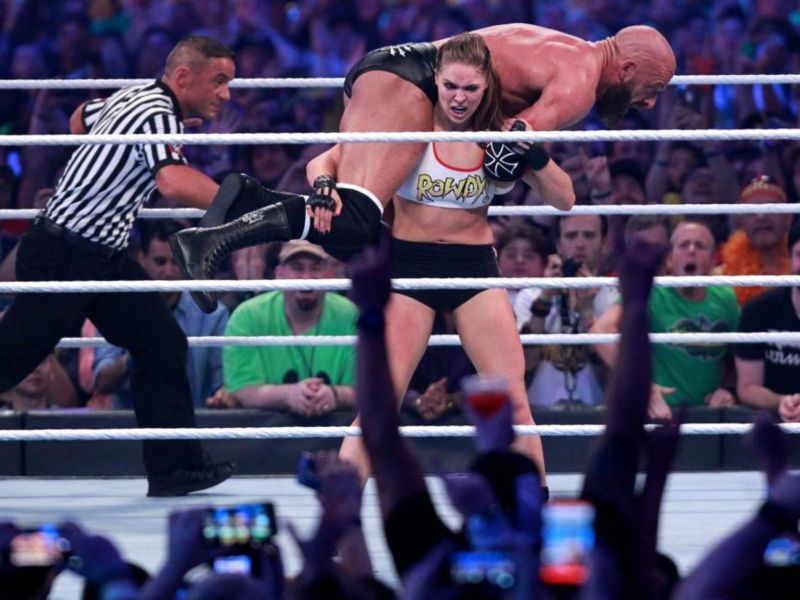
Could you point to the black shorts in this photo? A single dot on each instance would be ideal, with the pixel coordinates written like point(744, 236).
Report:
point(359, 224)
point(412, 530)
point(413, 62)
point(421, 259)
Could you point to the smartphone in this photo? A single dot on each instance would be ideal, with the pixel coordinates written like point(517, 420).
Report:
point(307, 472)
point(570, 267)
point(38, 547)
point(239, 564)
point(567, 541)
point(479, 566)
point(243, 526)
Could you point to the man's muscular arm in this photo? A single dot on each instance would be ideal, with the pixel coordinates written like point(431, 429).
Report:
point(186, 185)
point(565, 100)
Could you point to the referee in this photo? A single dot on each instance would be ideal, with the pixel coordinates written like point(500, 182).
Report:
point(83, 233)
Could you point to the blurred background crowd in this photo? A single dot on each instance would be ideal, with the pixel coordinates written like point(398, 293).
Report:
point(323, 38)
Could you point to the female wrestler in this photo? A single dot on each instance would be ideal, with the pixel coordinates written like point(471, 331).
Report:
point(440, 229)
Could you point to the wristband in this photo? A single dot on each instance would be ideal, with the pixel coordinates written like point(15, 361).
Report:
point(778, 516)
point(537, 156)
point(371, 321)
point(545, 493)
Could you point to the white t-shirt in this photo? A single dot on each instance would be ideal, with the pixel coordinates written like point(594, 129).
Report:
point(549, 384)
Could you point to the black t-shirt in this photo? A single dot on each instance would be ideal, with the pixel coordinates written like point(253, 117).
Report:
point(773, 311)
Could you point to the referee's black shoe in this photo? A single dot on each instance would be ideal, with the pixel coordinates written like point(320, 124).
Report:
point(180, 482)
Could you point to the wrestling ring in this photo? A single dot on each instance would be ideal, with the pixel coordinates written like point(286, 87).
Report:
point(699, 508)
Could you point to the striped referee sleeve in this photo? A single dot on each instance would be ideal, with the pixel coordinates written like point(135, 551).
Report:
point(91, 112)
point(161, 155)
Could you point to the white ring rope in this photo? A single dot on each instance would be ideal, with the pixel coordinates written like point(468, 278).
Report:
point(427, 283)
point(281, 433)
point(598, 135)
point(496, 211)
point(528, 339)
point(337, 82)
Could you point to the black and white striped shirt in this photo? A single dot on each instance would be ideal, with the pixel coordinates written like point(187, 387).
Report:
point(104, 186)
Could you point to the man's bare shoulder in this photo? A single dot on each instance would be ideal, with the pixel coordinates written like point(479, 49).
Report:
point(525, 33)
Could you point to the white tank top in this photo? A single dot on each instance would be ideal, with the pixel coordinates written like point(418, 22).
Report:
point(437, 184)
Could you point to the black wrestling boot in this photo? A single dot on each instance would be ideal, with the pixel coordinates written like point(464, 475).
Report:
point(198, 251)
point(238, 195)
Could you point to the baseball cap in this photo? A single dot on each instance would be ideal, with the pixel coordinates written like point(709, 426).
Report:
point(295, 247)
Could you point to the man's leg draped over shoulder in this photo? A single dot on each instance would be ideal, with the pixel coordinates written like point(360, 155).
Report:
point(283, 216)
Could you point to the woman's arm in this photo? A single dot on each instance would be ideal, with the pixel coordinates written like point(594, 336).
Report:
point(553, 184)
point(326, 163)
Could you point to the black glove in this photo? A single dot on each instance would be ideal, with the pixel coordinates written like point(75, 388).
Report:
point(502, 162)
point(322, 196)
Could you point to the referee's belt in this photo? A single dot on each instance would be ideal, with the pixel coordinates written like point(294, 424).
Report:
point(72, 238)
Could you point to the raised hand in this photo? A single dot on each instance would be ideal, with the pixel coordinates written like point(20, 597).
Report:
point(493, 430)
point(469, 493)
point(94, 557)
point(371, 275)
point(638, 266)
point(770, 445)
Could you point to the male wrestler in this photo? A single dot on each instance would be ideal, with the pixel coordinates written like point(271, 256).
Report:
point(556, 85)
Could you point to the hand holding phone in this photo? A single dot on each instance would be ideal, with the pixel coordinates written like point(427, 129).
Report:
point(567, 541)
point(41, 546)
point(479, 566)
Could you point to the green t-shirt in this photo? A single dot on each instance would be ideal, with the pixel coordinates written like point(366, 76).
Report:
point(695, 370)
point(257, 365)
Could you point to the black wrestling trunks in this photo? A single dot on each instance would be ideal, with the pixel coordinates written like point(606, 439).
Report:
point(415, 63)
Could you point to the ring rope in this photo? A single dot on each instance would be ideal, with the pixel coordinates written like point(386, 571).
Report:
point(337, 82)
point(597, 135)
point(495, 211)
point(451, 283)
point(528, 339)
point(280, 433)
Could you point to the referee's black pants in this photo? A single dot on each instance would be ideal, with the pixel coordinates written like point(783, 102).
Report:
point(139, 322)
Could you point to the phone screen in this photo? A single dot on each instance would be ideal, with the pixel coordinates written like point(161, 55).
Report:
point(783, 551)
point(567, 540)
point(246, 525)
point(41, 547)
point(240, 564)
point(490, 566)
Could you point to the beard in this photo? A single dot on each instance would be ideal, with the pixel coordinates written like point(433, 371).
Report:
point(307, 303)
point(613, 104)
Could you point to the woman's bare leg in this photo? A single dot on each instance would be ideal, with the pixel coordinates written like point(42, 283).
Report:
point(408, 328)
point(489, 334)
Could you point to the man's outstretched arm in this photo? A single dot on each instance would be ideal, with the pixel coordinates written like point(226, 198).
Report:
point(397, 470)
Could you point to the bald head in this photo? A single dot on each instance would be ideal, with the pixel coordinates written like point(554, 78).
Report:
point(648, 49)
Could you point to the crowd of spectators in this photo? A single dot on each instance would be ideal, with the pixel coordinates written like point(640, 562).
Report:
point(512, 542)
point(322, 38)
point(309, 38)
